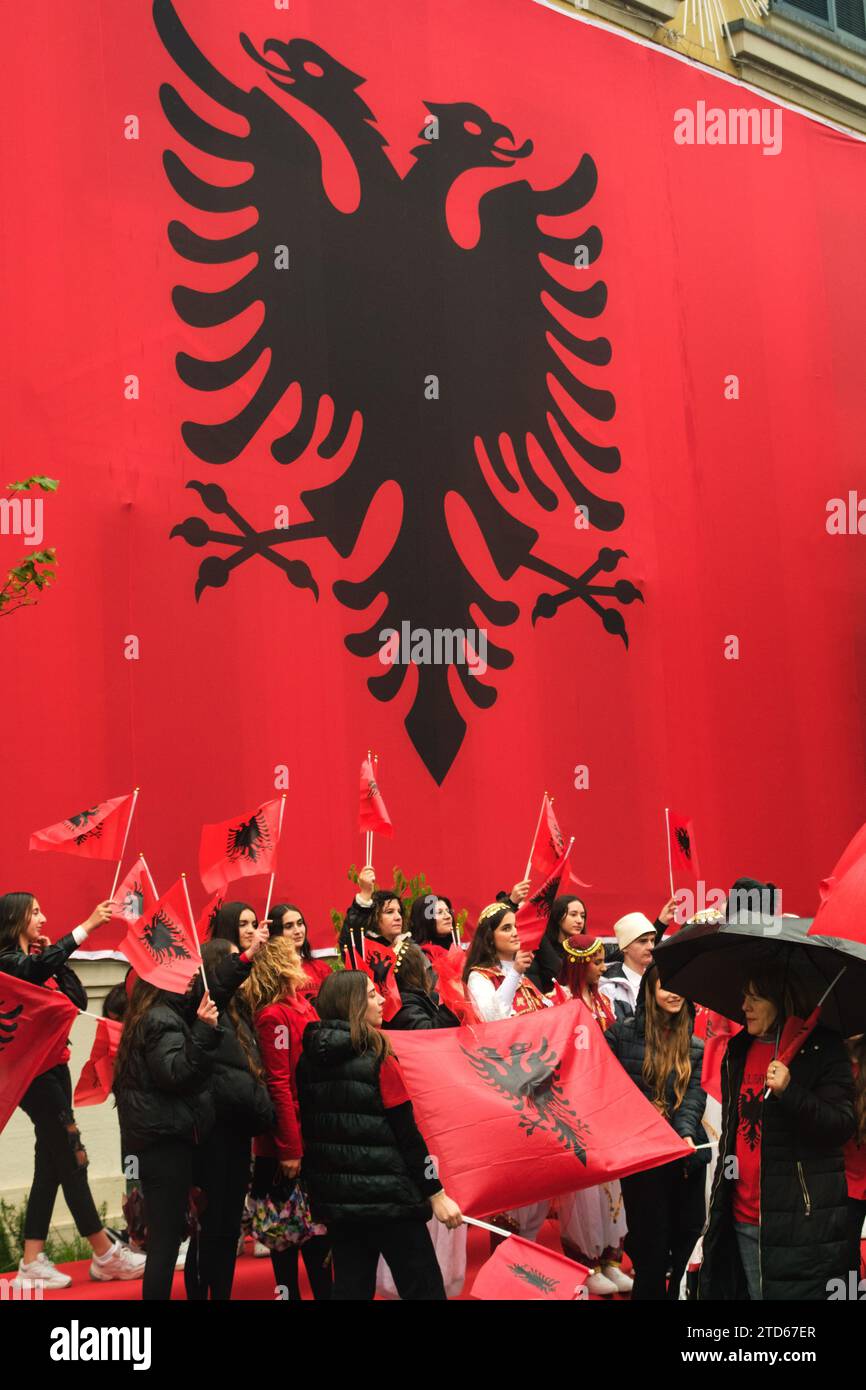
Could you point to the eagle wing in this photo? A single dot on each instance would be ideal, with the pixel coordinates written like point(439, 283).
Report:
point(485, 1068)
point(285, 190)
point(532, 375)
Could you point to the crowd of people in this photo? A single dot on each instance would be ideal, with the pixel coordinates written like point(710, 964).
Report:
point(270, 1091)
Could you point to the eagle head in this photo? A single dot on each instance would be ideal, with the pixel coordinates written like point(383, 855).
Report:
point(471, 138)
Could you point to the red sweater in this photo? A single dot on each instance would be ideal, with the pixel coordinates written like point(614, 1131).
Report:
point(280, 1029)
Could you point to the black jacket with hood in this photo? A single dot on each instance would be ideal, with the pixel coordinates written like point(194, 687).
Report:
point(803, 1241)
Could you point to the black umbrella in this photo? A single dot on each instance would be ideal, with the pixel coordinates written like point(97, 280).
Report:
point(711, 963)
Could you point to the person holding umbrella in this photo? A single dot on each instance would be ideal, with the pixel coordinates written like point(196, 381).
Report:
point(778, 1223)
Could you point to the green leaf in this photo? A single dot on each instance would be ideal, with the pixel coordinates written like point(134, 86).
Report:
point(37, 480)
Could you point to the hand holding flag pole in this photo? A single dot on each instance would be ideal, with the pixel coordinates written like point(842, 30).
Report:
point(135, 792)
point(273, 871)
point(194, 932)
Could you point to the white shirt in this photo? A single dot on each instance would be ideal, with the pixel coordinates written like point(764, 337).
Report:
point(491, 1003)
point(633, 978)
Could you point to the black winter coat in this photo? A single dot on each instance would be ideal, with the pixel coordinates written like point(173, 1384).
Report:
point(165, 1093)
point(422, 1010)
point(627, 1041)
point(803, 1241)
point(241, 1102)
point(52, 962)
point(354, 1167)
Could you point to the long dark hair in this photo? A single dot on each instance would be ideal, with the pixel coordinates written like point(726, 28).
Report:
point(422, 924)
point(343, 997)
point(558, 911)
point(276, 927)
point(224, 923)
point(482, 950)
point(668, 1047)
point(414, 971)
point(15, 911)
point(143, 998)
point(212, 952)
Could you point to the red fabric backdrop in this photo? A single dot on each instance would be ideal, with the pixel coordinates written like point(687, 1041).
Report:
point(717, 260)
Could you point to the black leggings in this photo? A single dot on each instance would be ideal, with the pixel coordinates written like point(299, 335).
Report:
point(61, 1159)
point(166, 1177)
point(315, 1252)
point(221, 1168)
point(665, 1213)
point(408, 1249)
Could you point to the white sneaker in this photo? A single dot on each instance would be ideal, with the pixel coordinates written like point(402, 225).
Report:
point(624, 1282)
point(120, 1263)
point(181, 1255)
point(260, 1251)
point(598, 1285)
point(40, 1273)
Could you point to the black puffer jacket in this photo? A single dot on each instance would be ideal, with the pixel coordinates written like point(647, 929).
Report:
point(803, 1240)
point(422, 1010)
point(627, 1040)
point(165, 1092)
point(242, 1102)
point(354, 1167)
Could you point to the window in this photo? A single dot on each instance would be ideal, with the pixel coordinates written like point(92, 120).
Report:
point(847, 17)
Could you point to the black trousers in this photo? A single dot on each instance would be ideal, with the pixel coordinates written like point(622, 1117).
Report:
point(856, 1217)
point(60, 1157)
point(406, 1246)
point(166, 1177)
point(221, 1168)
point(665, 1213)
point(314, 1252)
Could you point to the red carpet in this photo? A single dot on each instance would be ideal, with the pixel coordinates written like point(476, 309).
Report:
point(254, 1278)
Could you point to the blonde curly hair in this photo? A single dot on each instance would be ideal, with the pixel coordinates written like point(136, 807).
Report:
point(277, 971)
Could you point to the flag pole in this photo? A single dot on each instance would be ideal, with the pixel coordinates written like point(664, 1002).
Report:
point(670, 864)
point(535, 836)
point(149, 874)
point(274, 872)
point(486, 1226)
point(135, 792)
point(194, 932)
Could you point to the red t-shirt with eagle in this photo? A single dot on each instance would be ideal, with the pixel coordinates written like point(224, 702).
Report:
point(750, 1116)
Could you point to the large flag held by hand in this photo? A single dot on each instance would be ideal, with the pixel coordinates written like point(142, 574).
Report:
point(34, 1024)
point(97, 832)
point(521, 1271)
point(160, 946)
point(372, 814)
point(529, 1108)
point(97, 1074)
point(241, 847)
